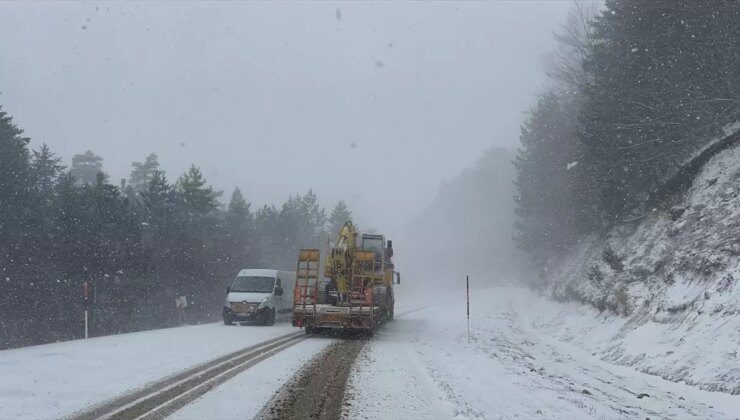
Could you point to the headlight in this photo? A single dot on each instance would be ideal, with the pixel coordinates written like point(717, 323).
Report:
point(264, 300)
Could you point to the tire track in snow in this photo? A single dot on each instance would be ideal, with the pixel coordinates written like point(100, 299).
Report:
point(317, 390)
point(462, 407)
point(172, 393)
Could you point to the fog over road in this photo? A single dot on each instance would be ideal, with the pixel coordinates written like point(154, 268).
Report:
point(277, 98)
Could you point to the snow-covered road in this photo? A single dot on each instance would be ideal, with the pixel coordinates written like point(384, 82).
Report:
point(520, 361)
point(55, 380)
point(423, 365)
point(244, 396)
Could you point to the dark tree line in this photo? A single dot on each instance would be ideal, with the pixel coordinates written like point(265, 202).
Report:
point(141, 243)
point(638, 89)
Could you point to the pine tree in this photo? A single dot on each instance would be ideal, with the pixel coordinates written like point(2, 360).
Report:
point(199, 197)
point(85, 167)
point(16, 210)
point(43, 232)
point(238, 214)
point(159, 198)
point(313, 215)
point(15, 176)
point(47, 168)
point(164, 231)
point(267, 221)
point(142, 173)
point(198, 250)
point(239, 228)
point(338, 216)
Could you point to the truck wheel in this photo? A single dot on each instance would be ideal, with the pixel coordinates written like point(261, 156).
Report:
point(227, 321)
point(310, 330)
point(270, 320)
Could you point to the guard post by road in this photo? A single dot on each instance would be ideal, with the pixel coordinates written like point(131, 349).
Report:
point(86, 301)
point(467, 295)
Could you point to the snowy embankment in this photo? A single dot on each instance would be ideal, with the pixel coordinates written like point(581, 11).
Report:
point(673, 276)
point(55, 380)
point(515, 364)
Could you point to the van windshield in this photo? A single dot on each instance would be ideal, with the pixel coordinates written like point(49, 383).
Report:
point(252, 284)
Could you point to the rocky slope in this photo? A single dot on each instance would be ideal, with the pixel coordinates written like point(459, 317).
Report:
point(673, 276)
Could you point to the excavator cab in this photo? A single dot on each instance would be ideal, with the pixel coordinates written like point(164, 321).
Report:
point(374, 243)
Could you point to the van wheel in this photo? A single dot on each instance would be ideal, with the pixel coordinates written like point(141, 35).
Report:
point(270, 318)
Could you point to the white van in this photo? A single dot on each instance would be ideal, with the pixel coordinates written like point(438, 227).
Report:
point(259, 296)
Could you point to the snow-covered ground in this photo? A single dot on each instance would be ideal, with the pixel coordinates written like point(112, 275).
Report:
point(677, 283)
point(519, 361)
point(55, 380)
point(526, 356)
point(244, 396)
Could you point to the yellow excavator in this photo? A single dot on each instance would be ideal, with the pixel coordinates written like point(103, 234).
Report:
point(356, 293)
point(338, 265)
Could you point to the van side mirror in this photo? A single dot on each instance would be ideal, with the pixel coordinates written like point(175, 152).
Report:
point(398, 277)
point(278, 291)
point(228, 289)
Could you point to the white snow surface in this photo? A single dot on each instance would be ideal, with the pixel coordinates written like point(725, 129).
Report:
point(677, 293)
point(56, 380)
point(244, 396)
point(526, 357)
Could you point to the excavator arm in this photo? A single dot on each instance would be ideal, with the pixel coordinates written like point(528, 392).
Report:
point(339, 261)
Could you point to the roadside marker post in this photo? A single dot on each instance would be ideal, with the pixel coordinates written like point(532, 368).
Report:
point(467, 293)
point(85, 294)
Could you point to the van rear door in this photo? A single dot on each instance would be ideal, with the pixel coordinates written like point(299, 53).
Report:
point(287, 283)
point(279, 301)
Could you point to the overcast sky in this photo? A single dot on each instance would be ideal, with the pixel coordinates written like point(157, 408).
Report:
point(376, 103)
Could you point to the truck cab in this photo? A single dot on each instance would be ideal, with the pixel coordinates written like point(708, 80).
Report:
point(259, 296)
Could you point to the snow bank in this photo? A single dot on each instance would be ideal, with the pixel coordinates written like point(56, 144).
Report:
point(673, 275)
